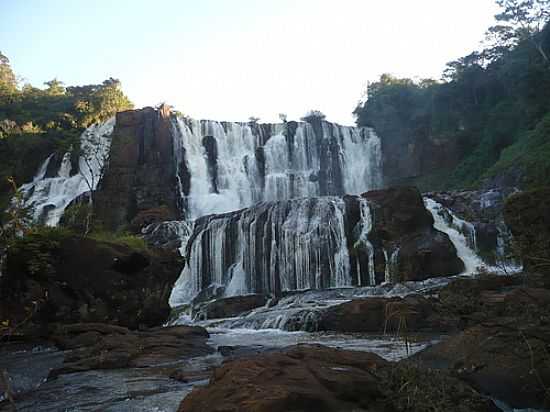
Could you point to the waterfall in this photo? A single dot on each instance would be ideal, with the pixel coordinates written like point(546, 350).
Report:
point(226, 166)
point(49, 196)
point(366, 227)
point(272, 247)
point(464, 251)
point(463, 235)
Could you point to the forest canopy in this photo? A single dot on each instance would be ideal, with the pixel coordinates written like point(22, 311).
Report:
point(486, 102)
point(34, 122)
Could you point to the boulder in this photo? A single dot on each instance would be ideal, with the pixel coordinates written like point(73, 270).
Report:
point(171, 235)
point(402, 225)
point(56, 277)
point(506, 353)
point(317, 378)
point(102, 346)
point(230, 307)
point(501, 359)
point(404, 315)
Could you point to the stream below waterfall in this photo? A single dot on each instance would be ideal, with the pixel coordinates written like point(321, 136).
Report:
point(147, 389)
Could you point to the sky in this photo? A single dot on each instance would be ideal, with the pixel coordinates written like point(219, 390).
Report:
point(232, 59)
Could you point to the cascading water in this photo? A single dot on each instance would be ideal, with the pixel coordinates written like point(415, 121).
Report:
point(464, 251)
point(49, 196)
point(463, 236)
point(273, 247)
point(228, 166)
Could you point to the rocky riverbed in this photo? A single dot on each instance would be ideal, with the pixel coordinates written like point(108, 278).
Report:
point(492, 345)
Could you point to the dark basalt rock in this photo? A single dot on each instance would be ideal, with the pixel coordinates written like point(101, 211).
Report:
point(401, 222)
point(166, 235)
point(73, 279)
point(379, 315)
point(317, 378)
point(211, 148)
point(499, 359)
point(102, 346)
point(504, 349)
point(230, 307)
point(141, 174)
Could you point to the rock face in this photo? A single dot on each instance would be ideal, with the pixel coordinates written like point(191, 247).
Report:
point(167, 235)
point(316, 243)
point(316, 378)
point(70, 279)
point(528, 216)
point(403, 226)
point(141, 174)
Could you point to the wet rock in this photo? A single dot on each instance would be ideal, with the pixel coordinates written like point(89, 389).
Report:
point(230, 307)
point(377, 315)
point(169, 235)
point(317, 378)
point(403, 225)
point(102, 346)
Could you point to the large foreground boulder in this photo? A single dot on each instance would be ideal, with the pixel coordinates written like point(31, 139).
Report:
point(317, 378)
point(52, 276)
point(506, 354)
point(102, 346)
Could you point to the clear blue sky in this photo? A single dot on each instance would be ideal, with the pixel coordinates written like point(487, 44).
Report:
point(231, 59)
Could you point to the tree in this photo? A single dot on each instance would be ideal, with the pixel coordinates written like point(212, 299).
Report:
point(253, 120)
point(55, 88)
point(523, 20)
point(95, 156)
point(313, 115)
point(8, 82)
point(18, 216)
point(283, 117)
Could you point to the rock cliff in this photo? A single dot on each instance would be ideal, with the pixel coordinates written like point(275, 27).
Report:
point(139, 183)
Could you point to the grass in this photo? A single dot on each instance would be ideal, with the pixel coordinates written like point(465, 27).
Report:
point(124, 239)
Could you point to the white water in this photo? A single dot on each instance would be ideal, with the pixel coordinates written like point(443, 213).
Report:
point(302, 246)
point(471, 260)
point(463, 236)
point(50, 196)
point(292, 164)
point(385, 346)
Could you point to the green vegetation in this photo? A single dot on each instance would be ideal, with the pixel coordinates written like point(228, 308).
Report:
point(124, 239)
point(36, 122)
point(490, 111)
